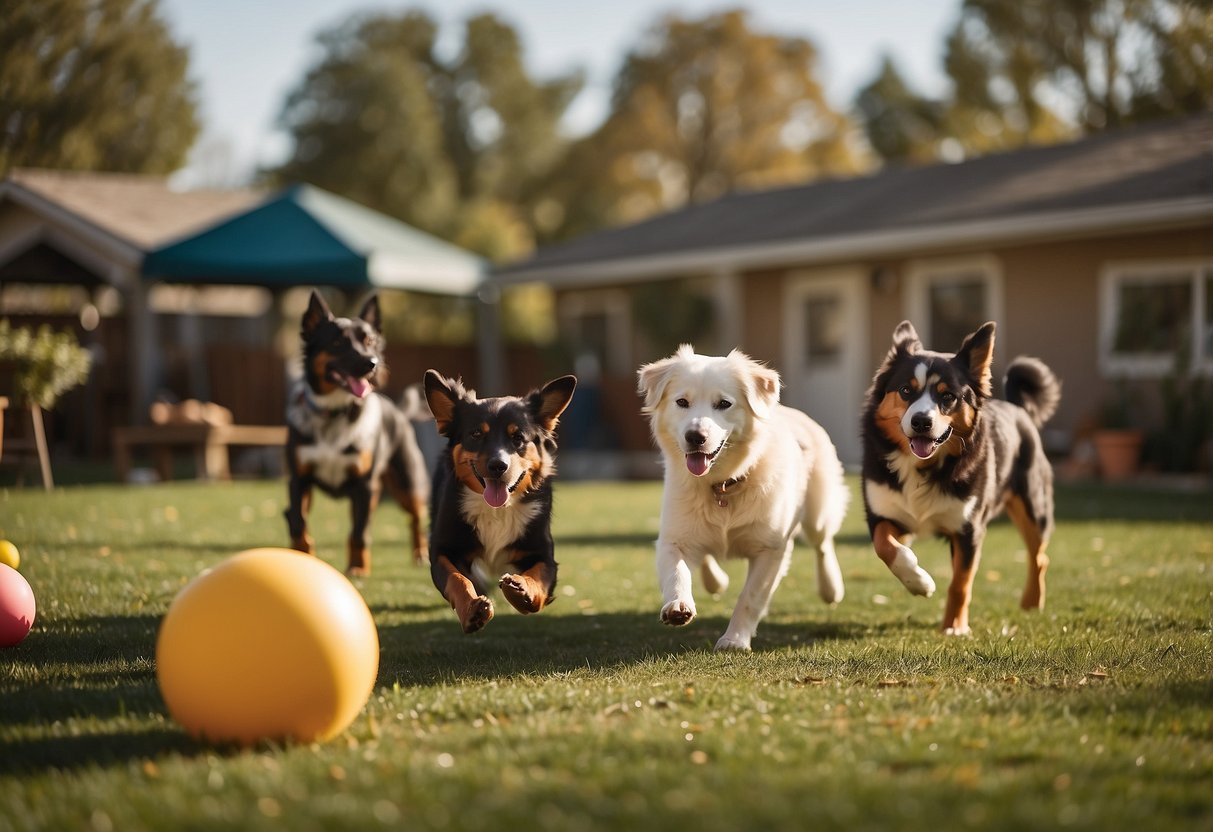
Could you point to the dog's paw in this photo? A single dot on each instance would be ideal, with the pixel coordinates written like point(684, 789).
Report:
point(513, 587)
point(479, 612)
point(678, 613)
point(303, 544)
point(715, 579)
point(912, 576)
point(357, 572)
point(959, 630)
point(733, 643)
point(829, 582)
point(919, 582)
point(421, 556)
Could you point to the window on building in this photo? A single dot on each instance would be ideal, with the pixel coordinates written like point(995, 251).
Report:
point(824, 341)
point(949, 299)
point(1155, 315)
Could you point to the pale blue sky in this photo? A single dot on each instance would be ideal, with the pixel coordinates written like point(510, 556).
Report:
point(246, 56)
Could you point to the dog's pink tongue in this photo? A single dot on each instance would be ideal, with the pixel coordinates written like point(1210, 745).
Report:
point(922, 446)
point(359, 387)
point(698, 464)
point(495, 493)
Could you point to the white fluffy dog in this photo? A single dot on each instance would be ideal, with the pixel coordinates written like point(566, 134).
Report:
point(743, 474)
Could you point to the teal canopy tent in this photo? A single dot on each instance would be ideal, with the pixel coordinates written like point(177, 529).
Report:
point(306, 236)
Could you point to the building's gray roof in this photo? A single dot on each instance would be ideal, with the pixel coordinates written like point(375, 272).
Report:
point(141, 210)
point(1155, 173)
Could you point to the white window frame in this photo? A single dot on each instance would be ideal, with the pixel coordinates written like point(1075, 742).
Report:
point(923, 275)
point(616, 306)
point(1149, 366)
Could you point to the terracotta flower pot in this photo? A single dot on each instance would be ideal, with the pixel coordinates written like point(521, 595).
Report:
point(1118, 453)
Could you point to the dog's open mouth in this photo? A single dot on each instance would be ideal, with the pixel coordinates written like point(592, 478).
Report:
point(924, 446)
point(496, 492)
point(359, 387)
point(698, 463)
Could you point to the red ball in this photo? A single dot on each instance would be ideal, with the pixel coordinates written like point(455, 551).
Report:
point(16, 607)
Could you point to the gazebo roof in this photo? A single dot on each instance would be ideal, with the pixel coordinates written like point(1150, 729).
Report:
point(306, 235)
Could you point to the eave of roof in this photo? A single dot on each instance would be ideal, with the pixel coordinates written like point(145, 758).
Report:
point(870, 245)
point(1150, 176)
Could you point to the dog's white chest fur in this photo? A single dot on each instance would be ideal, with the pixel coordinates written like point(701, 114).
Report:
point(496, 529)
point(919, 507)
point(332, 437)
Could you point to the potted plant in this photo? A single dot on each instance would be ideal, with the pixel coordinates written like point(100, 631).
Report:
point(1117, 440)
point(40, 366)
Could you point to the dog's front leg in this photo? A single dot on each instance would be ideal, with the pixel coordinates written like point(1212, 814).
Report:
point(675, 578)
point(299, 492)
point(766, 570)
point(887, 539)
point(966, 552)
point(474, 609)
point(362, 503)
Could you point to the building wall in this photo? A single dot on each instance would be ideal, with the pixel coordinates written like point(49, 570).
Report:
point(1051, 298)
point(1050, 309)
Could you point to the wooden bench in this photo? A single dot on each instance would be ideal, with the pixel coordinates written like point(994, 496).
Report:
point(209, 444)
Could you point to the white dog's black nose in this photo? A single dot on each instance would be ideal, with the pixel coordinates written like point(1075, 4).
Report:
point(695, 438)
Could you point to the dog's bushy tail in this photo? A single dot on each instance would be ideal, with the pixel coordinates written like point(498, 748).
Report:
point(1032, 385)
point(413, 405)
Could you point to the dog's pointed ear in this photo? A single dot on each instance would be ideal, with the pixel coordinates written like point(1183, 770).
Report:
point(976, 355)
point(371, 314)
point(905, 338)
point(548, 403)
point(441, 396)
point(316, 314)
point(760, 382)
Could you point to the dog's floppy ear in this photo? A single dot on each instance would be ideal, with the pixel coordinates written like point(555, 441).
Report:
point(653, 378)
point(547, 404)
point(371, 314)
point(761, 383)
point(316, 314)
point(905, 338)
point(442, 394)
point(975, 356)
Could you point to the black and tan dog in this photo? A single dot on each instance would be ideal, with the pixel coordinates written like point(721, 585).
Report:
point(941, 456)
point(346, 438)
point(492, 497)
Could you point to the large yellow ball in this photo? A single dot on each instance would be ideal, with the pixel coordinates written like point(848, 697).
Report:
point(9, 555)
point(270, 644)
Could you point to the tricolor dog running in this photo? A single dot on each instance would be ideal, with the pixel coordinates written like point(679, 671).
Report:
point(345, 437)
point(743, 476)
point(492, 497)
point(941, 456)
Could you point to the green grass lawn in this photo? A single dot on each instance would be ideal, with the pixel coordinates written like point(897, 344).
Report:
point(1097, 714)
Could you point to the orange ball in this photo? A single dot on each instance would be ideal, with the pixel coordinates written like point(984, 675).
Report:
point(271, 644)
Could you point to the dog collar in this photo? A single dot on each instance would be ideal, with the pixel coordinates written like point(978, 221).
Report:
point(719, 489)
point(352, 408)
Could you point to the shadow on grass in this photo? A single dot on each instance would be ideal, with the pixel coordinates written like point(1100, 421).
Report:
point(438, 652)
point(1102, 501)
point(98, 668)
point(26, 757)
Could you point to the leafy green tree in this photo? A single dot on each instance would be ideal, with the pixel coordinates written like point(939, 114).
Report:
point(455, 146)
point(702, 107)
point(93, 85)
point(901, 125)
point(1025, 66)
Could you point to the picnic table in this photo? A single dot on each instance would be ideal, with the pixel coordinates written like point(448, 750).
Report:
point(204, 430)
